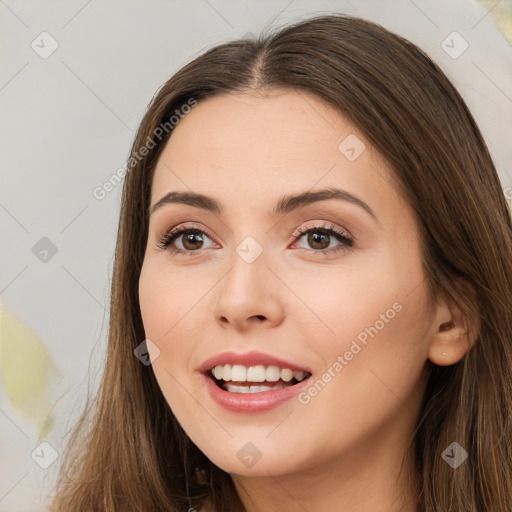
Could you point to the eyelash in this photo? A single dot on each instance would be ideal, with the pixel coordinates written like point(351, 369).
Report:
point(347, 242)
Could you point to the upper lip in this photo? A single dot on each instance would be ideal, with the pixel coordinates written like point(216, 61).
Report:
point(252, 358)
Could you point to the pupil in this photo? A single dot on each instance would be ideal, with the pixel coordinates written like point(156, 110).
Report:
point(314, 238)
point(189, 239)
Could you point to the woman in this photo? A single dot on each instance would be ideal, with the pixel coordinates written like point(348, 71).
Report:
point(315, 255)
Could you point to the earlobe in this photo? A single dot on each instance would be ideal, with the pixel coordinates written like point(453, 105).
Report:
point(449, 345)
point(452, 339)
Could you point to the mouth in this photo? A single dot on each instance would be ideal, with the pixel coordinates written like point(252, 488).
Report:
point(238, 378)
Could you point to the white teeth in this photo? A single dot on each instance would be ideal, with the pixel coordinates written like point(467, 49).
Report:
point(267, 388)
point(286, 374)
point(233, 388)
point(299, 375)
point(256, 374)
point(238, 373)
point(218, 372)
point(259, 373)
point(273, 373)
point(226, 372)
point(237, 389)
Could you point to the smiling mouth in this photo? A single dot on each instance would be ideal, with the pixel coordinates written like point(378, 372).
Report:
point(255, 379)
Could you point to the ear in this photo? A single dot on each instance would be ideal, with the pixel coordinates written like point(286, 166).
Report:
point(457, 327)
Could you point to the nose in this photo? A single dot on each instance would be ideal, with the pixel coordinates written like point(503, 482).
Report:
point(249, 295)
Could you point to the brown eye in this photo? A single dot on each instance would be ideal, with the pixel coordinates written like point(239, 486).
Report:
point(319, 238)
point(191, 239)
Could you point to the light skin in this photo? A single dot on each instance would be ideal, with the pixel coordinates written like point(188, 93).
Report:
point(343, 449)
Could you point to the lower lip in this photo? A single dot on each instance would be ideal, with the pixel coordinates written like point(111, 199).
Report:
point(252, 402)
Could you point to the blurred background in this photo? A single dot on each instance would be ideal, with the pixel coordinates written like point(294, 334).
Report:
point(75, 80)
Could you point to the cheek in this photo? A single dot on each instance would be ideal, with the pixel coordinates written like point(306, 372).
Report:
point(375, 316)
point(166, 305)
point(166, 300)
point(372, 371)
point(347, 300)
point(382, 341)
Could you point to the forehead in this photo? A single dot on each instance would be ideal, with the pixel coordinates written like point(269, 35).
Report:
point(258, 145)
point(272, 120)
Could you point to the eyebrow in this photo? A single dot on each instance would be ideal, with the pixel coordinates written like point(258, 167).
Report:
point(286, 204)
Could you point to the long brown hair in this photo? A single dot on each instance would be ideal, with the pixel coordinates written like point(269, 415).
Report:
point(128, 452)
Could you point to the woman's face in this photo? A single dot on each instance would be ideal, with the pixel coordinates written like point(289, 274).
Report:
point(347, 307)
